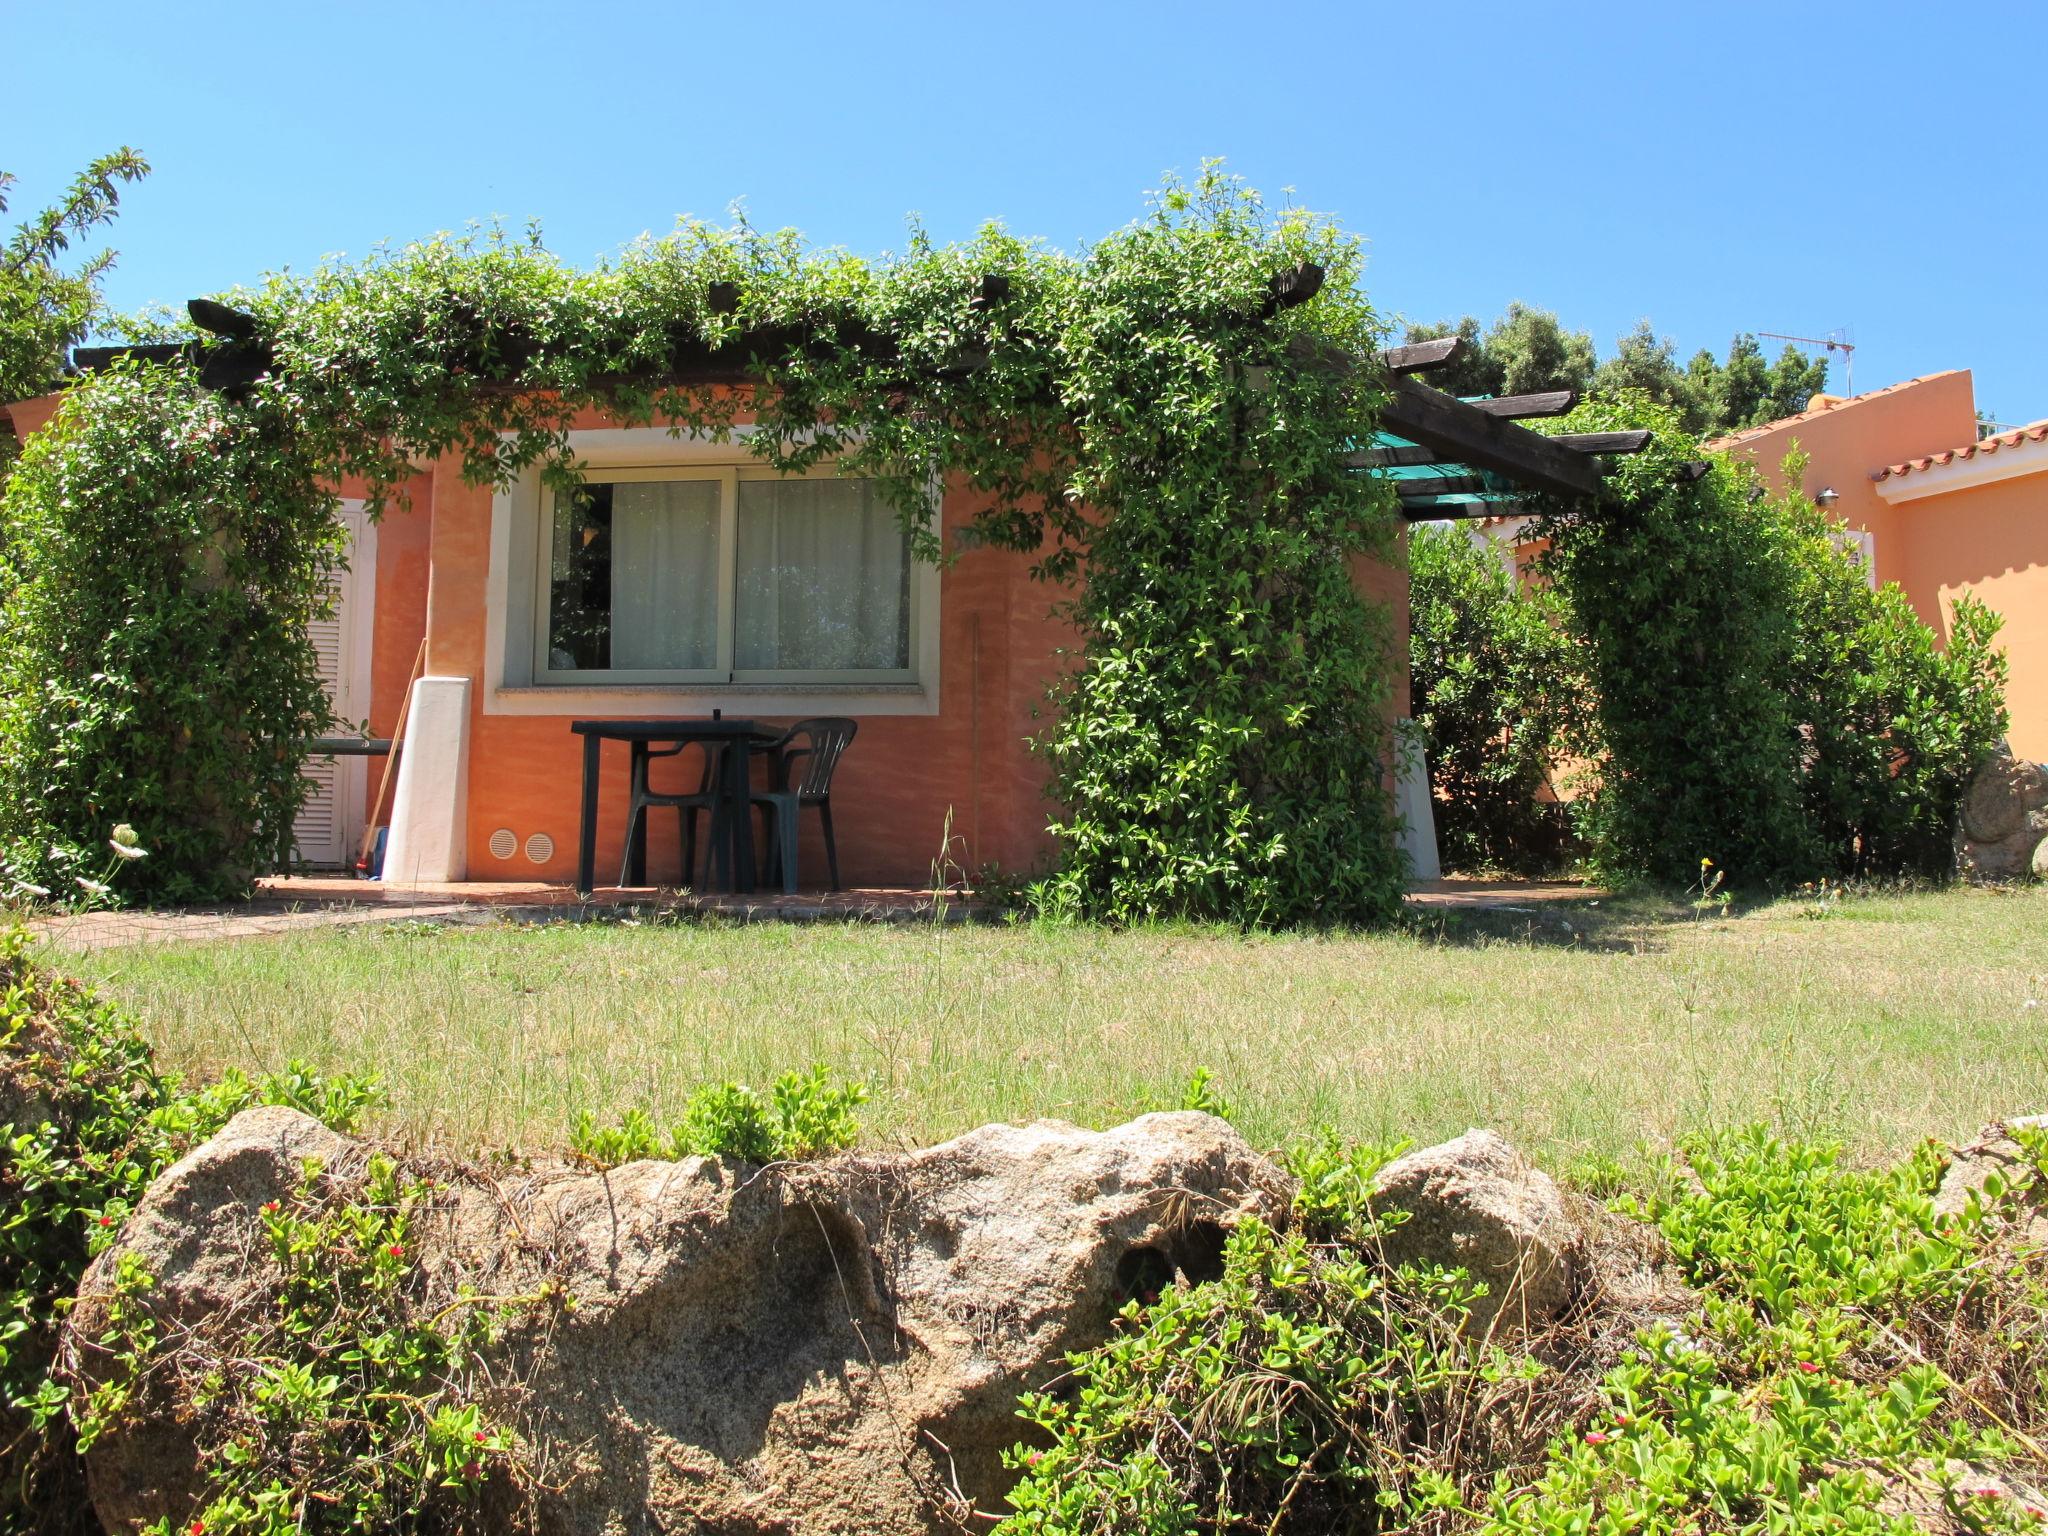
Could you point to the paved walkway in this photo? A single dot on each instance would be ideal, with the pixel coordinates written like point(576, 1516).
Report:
point(286, 904)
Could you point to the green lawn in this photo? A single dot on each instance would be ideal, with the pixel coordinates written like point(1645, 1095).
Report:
point(1580, 1032)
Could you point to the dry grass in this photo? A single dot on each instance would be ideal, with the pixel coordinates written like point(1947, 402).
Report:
point(1581, 1032)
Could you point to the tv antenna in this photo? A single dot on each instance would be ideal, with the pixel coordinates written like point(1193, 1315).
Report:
point(1836, 340)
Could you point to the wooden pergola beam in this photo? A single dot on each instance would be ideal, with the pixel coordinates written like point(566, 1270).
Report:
point(1634, 441)
point(1442, 485)
point(1486, 441)
point(1419, 355)
point(1392, 458)
point(1552, 402)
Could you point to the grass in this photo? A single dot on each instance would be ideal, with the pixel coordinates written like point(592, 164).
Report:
point(1584, 1032)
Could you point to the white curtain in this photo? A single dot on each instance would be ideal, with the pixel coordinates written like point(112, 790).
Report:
point(823, 578)
point(664, 574)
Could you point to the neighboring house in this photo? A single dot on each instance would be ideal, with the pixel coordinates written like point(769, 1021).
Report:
point(1935, 510)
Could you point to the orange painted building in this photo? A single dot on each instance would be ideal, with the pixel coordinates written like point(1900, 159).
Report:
point(770, 598)
point(1937, 511)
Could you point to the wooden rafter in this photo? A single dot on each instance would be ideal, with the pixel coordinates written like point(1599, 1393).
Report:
point(1463, 435)
point(1552, 402)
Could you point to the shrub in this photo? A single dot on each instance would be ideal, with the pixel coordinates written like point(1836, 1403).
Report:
point(804, 1115)
point(1850, 1345)
point(1495, 688)
point(160, 554)
point(348, 1404)
point(86, 1122)
point(1755, 701)
point(1219, 750)
point(1308, 1389)
point(1896, 723)
point(1856, 1347)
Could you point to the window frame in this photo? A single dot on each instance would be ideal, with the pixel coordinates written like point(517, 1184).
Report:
point(725, 675)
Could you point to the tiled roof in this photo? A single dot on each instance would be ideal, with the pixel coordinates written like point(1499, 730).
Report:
point(1822, 405)
point(2034, 433)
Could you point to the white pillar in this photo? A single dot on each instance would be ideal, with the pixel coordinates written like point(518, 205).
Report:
point(1414, 803)
point(428, 842)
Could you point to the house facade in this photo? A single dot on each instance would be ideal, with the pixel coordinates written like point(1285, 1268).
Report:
point(1937, 510)
point(686, 578)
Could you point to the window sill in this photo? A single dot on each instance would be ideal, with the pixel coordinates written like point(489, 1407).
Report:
point(661, 700)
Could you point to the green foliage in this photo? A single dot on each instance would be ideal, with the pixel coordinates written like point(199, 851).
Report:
point(1525, 351)
point(1202, 1095)
point(1755, 701)
point(161, 552)
point(1896, 724)
point(1307, 1389)
point(804, 1115)
point(1219, 750)
point(88, 1123)
point(1849, 1327)
point(1841, 1356)
point(1804, 1255)
point(349, 1403)
point(1496, 689)
point(1528, 350)
point(1138, 419)
point(45, 310)
point(1677, 1449)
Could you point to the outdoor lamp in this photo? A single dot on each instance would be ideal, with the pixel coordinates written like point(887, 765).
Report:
point(1827, 498)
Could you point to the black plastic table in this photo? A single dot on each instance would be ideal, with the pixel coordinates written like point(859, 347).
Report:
point(734, 782)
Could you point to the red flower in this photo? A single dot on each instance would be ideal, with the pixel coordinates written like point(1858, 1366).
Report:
point(396, 1250)
point(1809, 1367)
point(1988, 1492)
point(470, 1469)
point(106, 1221)
point(197, 1527)
point(270, 1205)
point(1032, 1458)
point(481, 1437)
point(1623, 1420)
point(1595, 1437)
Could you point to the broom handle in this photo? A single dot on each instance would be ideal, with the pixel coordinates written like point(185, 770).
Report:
point(390, 761)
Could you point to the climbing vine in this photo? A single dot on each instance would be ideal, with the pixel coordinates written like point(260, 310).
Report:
point(1153, 422)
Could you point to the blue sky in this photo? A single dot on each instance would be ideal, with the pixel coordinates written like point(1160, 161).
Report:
point(1785, 167)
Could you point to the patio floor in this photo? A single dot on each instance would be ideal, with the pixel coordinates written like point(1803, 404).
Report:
point(285, 903)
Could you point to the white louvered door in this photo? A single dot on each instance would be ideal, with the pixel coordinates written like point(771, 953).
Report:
point(330, 823)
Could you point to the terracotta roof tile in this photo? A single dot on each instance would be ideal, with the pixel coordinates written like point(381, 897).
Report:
point(1822, 405)
point(2035, 432)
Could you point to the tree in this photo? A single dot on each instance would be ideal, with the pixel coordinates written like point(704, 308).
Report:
point(1528, 351)
point(1756, 704)
point(1648, 363)
point(1525, 352)
point(44, 310)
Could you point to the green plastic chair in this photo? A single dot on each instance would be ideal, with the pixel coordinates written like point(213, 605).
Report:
point(703, 798)
point(824, 741)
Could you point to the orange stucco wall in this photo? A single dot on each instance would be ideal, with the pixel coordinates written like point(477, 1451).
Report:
point(1846, 442)
point(1990, 540)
